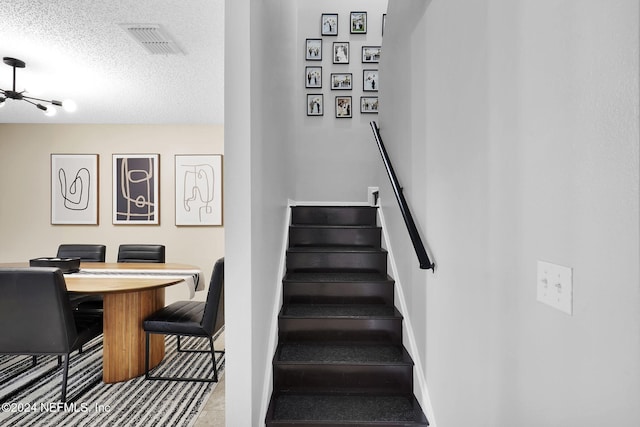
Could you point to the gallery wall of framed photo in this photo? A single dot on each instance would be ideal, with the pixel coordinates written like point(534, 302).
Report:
point(341, 64)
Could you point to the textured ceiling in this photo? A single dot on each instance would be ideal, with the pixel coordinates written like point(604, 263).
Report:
point(75, 49)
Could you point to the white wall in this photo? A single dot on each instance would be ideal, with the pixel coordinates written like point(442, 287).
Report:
point(516, 138)
point(257, 188)
point(25, 185)
point(326, 149)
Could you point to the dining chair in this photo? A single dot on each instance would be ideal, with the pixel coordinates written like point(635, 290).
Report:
point(39, 321)
point(89, 253)
point(141, 253)
point(189, 318)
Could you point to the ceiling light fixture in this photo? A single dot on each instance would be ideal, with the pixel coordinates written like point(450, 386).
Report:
point(48, 110)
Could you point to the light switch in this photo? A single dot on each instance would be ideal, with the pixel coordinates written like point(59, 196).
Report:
point(555, 286)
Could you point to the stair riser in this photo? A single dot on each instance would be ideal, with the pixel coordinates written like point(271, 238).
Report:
point(341, 330)
point(348, 261)
point(333, 215)
point(344, 378)
point(335, 237)
point(338, 293)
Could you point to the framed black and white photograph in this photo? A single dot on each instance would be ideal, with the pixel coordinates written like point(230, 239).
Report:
point(341, 81)
point(384, 21)
point(198, 186)
point(358, 22)
point(371, 54)
point(135, 186)
point(315, 104)
point(313, 50)
point(74, 189)
point(370, 80)
point(313, 77)
point(343, 107)
point(369, 104)
point(329, 25)
point(340, 52)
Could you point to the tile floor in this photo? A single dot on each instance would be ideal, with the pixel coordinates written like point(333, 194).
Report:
point(212, 414)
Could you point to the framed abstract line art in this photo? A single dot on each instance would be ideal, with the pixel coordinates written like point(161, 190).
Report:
point(74, 189)
point(329, 25)
point(198, 189)
point(313, 50)
point(315, 104)
point(358, 22)
point(135, 189)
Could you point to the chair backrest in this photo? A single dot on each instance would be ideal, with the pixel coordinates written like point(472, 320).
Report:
point(213, 316)
point(141, 253)
point(93, 253)
point(35, 313)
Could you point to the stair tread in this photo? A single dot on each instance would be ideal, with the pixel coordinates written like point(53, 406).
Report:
point(336, 249)
point(338, 226)
point(336, 276)
point(347, 408)
point(342, 353)
point(339, 310)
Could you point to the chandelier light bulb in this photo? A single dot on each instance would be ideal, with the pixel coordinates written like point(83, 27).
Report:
point(69, 105)
point(51, 111)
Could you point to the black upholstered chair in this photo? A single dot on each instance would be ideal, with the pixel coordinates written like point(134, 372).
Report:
point(141, 253)
point(190, 318)
point(90, 253)
point(37, 319)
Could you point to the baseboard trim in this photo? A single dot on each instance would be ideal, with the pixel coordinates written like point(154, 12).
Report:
point(420, 385)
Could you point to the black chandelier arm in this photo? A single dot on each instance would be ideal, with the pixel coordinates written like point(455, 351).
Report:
point(53, 101)
point(39, 106)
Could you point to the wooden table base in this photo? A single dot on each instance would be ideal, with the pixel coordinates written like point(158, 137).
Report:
point(124, 338)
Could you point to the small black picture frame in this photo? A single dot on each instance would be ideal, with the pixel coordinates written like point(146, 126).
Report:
point(340, 52)
point(329, 24)
point(371, 54)
point(313, 50)
point(315, 104)
point(369, 104)
point(313, 77)
point(370, 81)
point(341, 81)
point(344, 108)
point(358, 23)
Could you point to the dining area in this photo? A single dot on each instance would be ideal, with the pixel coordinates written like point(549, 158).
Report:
point(74, 303)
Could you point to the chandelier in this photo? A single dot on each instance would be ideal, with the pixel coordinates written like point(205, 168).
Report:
point(47, 106)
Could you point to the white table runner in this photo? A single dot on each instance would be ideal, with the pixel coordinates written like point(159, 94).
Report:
point(191, 277)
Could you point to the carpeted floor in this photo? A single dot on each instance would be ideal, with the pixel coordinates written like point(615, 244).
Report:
point(137, 402)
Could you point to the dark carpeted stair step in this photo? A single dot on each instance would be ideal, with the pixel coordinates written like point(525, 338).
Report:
point(332, 367)
point(348, 258)
point(333, 235)
point(324, 410)
point(334, 215)
point(337, 287)
point(374, 323)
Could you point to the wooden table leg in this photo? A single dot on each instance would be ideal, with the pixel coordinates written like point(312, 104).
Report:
point(124, 338)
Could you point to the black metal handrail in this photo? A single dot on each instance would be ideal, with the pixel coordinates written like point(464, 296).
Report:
point(421, 252)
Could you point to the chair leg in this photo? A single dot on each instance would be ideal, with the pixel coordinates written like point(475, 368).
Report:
point(213, 360)
point(65, 375)
point(146, 355)
point(178, 337)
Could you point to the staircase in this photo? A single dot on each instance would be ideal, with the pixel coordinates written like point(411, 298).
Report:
point(340, 359)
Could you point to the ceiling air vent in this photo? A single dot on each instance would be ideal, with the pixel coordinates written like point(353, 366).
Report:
point(152, 38)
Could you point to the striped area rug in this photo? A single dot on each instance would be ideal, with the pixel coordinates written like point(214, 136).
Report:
point(136, 402)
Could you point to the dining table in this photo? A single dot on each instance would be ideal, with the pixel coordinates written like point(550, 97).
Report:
point(131, 292)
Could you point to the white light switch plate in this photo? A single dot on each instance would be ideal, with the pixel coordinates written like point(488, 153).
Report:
point(555, 286)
